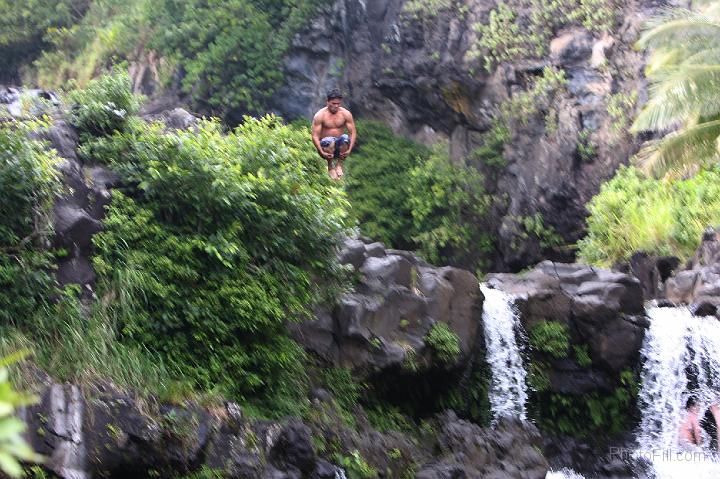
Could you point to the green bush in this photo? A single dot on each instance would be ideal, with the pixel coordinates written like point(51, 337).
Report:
point(217, 241)
point(377, 183)
point(514, 34)
point(551, 338)
point(633, 213)
point(29, 183)
point(411, 197)
point(449, 208)
point(104, 106)
point(444, 342)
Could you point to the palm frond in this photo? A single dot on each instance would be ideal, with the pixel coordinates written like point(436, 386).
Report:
point(679, 93)
point(679, 26)
point(691, 146)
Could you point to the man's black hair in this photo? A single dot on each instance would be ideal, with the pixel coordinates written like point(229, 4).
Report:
point(334, 94)
point(691, 401)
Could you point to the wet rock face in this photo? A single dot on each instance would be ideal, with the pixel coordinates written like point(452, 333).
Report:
point(100, 432)
point(385, 322)
point(698, 286)
point(467, 450)
point(601, 309)
point(414, 73)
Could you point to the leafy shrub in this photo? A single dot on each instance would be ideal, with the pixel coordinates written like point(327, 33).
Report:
point(551, 338)
point(377, 183)
point(513, 34)
point(410, 197)
point(589, 414)
point(355, 466)
point(214, 244)
point(231, 51)
point(449, 209)
point(444, 342)
point(29, 183)
point(633, 213)
point(105, 105)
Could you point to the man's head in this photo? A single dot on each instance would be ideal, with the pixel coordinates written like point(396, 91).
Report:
point(691, 404)
point(334, 100)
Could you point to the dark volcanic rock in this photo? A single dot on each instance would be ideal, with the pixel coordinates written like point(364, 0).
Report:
point(384, 322)
point(417, 73)
point(699, 284)
point(468, 451)
point(603, 310)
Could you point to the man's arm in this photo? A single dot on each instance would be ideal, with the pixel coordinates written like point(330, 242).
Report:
point(350, 125)
point(316, 129)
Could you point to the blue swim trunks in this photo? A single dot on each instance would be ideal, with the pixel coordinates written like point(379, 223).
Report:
point(343, 139)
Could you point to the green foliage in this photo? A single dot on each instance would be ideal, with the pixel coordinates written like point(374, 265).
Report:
point(355, 466)
point(205, 472)
point(409, 197)
point(620, 107)
point(469, 398)
point(589, 414)
point(587, 150)
point(24, 23)
point(214, 244)
point(449, 208)
point(13, 447)
point(667, 217)
point(104, 106)
point(425, 9)
point(513, 34)
point(384, 417)
point(340, 382)
point(444, 343)
point(582, 356)
point(377, 183)
point(684, 74)
point(29, 183)
point(551, 338)
point(231, 51)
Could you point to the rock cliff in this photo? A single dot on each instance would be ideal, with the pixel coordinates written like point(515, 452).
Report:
point(416, 66)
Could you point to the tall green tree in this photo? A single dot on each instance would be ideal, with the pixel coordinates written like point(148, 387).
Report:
point(684, 74)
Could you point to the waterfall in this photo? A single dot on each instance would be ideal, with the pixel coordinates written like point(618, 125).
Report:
point(681, 357)
point(564, 473)
point(508, 392)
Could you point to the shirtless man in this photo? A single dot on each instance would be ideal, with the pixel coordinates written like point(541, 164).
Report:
point(689, 433)
point(328, 133)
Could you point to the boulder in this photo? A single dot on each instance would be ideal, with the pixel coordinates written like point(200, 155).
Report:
point(383, 323)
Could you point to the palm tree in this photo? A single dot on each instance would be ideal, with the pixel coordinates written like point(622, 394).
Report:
point(684, 96)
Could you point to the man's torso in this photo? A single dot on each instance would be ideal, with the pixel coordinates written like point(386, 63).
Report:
point(332, 124)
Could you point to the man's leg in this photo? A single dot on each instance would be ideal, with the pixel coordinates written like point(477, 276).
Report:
point(328, 146)
point(344, 145)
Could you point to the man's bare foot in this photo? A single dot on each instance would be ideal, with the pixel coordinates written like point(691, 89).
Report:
point(333, 173)
point(339, 170)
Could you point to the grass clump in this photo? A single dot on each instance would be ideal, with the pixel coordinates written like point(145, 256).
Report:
point(444, 343)
point(551, 338)
point(662, 216)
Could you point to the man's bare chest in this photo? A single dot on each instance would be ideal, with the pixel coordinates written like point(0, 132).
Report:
point(333, 121)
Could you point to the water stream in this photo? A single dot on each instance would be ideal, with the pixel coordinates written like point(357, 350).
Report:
point(508, 391)
point(681, 357)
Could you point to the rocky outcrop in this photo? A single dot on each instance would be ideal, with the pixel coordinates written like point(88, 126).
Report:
point(601, 310)
point(698, 286)
point(384, 323)
point(414, 71)
point(96, 432)
point(466, 450)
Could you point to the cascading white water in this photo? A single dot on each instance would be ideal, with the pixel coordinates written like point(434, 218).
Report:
point(681, 356)
point(564, 474)
point(508, 392)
